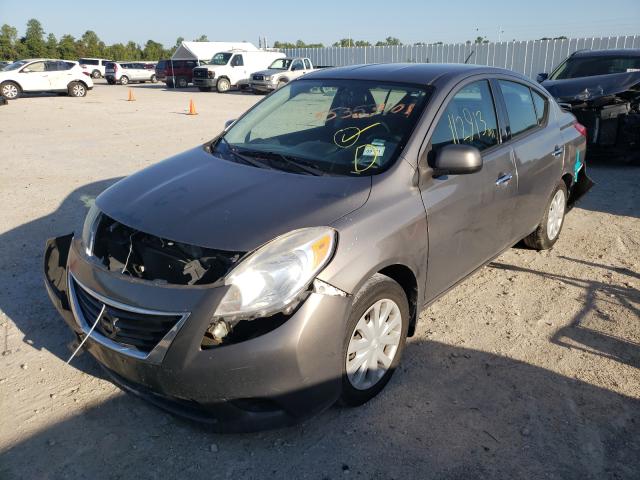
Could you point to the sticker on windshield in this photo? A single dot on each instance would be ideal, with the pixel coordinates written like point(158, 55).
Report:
point(374, 149)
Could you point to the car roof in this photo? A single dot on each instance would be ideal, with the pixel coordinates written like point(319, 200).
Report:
point(620, 52)
point(415, 73)
point(45, 60)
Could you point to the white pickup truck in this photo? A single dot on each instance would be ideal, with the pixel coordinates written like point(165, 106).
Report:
point(279, 73)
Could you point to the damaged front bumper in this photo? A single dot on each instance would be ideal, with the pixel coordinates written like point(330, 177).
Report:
point(277, 378)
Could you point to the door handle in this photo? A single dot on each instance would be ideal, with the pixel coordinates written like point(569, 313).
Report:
point(504, 179)
point(557, 151)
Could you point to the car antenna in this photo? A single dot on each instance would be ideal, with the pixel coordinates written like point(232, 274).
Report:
point(469, 56)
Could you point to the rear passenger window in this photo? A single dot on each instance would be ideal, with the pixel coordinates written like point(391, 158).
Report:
point(307, 64)
point(237, 61)
point(541, 105)
point(520, 109)
point(469, 119)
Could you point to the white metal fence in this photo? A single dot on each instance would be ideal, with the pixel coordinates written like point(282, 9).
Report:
point(526, 57)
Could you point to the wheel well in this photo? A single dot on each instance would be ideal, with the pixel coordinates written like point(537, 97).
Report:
point(78, 81)
point(407, 280)
point(14, 82)
point(568, 180)
point(283, 79)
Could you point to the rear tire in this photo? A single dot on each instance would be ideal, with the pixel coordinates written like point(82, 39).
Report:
point(95, 74)
point(548, 231)
point(223, 85)
point(10, 90)
point(124, 80)
point(204, 89)
point(370, 342)
point(77, 89)
point(154, 79)
point(182, 82)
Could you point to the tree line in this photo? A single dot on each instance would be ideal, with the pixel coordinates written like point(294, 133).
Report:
point(37, 44)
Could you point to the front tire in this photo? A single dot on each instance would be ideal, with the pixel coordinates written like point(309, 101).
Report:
point(154, 79)
point(375, 338)
point(124, 80)
point(223, 85)
point(10, 90)
point(548, 231)
point(77, 89)
point(182, 82)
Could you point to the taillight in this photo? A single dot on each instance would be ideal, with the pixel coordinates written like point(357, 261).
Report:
point(582, 130)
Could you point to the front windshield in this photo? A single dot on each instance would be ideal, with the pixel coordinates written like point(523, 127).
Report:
point(16, 65)
point(335, 127)
point(576, 67)
point(221, 58)
point(280, 64)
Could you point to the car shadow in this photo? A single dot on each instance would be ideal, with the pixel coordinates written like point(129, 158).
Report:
point(616, 188)
point(23, 296)
point(580, 333)
point(450, 412)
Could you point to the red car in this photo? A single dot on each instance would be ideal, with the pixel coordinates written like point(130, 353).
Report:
point(176, 72)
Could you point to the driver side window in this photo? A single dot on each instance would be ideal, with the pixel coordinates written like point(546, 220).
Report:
point(237, 61)
point(469, 119)
point(297, 65)
point(35, 67)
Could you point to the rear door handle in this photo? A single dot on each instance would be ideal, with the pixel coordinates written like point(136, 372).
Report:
point(557, 151)
point(504, 179)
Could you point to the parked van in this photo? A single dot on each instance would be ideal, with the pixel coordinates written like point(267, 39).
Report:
point(232, 69)
point(94, 67)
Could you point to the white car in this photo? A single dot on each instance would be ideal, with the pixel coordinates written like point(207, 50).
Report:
point(43, 75)
point(127, 72)
point(232, 69)
point(94, 67)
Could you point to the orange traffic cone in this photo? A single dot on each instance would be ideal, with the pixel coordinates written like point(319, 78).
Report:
point(192, 108)
point(131, 97)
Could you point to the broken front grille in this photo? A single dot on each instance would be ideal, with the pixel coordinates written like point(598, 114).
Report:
point(134, 253)
point(129, 328)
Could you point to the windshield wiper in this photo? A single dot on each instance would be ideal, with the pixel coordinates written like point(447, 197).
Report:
point(244, 158)
point(300, 165)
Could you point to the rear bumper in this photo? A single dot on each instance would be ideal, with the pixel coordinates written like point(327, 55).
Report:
point(278, 378)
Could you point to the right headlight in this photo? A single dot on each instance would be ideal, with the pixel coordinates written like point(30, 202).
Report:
point(89, 229)
point(274, 277)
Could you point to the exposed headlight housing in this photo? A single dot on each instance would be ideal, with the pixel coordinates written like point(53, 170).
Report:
point(276, 276)
point(211, 74)
point(89, 229)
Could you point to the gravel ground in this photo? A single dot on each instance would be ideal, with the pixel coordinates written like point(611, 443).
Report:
point(529, 369)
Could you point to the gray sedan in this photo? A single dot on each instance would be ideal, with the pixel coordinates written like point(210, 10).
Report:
point(258, 279)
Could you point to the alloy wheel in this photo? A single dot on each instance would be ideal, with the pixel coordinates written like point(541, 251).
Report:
point(10, 91)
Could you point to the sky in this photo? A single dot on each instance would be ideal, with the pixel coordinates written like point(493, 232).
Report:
point(327, 21)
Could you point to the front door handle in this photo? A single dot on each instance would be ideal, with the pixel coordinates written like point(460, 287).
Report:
point(557, 151)
point(504, 179)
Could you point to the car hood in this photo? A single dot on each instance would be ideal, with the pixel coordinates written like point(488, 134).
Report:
point(270, 71)
point(199, 199)
point(589, 88)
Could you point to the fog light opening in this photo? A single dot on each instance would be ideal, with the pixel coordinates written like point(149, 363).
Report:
point(218, 331)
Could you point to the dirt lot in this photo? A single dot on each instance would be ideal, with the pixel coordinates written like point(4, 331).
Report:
point(530, 369)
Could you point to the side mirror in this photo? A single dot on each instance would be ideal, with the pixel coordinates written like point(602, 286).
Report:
point(228, 123)
point(457, 160)
point(542, 77)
